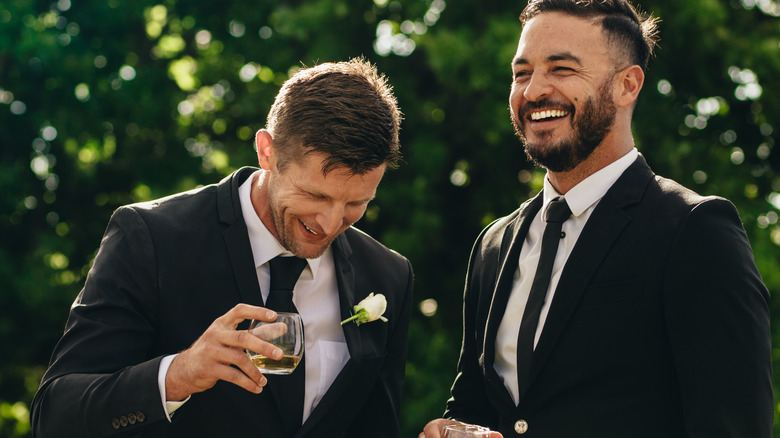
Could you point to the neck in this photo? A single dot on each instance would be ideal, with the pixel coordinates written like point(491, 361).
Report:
point(259, 196)
point(609, 151)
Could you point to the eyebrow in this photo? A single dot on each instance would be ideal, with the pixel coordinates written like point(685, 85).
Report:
point(563, 56)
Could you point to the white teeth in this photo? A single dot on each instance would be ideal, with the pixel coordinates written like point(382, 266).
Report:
point(539, 115)
point(309, 229)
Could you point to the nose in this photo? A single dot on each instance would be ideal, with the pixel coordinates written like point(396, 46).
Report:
point(537, 88)
point(331, 219)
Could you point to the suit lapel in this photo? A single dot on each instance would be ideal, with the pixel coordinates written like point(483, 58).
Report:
point(236, 236)
point(346, 278)
point(605, 225)
point(511, 244)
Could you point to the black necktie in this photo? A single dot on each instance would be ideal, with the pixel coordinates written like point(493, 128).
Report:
point(557, 213)
point(284, 274)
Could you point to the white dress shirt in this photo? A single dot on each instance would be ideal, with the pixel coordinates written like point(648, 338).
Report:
point(316, 298)
point(582, 200)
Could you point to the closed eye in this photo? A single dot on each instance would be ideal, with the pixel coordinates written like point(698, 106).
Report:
point(315, 196)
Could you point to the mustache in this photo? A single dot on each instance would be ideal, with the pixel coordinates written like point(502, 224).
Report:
point(543, 104)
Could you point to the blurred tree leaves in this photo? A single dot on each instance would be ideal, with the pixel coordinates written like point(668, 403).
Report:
point(103, 103)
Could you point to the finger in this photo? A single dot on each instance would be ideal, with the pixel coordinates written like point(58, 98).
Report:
point(234, 360)
point(238, 378)
point(268, 332)
point(224, 345)
point(431, 430)
point(240, 340)
point(241, 312)
point(496, 435)
point(250, 370)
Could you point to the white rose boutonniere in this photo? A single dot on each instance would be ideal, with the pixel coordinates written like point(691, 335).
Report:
point(370, 309)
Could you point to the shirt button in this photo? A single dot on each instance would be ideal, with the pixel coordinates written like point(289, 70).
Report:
point(521, 426)
point(115, 423)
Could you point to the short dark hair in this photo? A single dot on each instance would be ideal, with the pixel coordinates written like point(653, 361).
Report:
point(629, 30)
point(344, 110)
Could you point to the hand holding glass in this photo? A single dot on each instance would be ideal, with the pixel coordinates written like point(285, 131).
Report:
point(286, 333)
point(465, 431)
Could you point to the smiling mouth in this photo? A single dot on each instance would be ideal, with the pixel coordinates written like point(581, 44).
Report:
point(309, 229)
point(547, 115)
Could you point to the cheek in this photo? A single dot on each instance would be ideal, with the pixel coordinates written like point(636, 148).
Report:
point(353, 214)
point(514, 98)
point(300, 207)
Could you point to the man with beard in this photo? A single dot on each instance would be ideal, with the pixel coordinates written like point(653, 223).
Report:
point(616, 303)
point(155, 343)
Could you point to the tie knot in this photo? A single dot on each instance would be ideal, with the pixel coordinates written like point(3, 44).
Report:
point(285, 272)
point(558, 211)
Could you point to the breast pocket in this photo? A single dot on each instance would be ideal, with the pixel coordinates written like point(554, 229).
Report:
point(333, 356)
point(602, 294)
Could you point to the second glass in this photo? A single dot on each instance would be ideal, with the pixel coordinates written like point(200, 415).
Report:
point(465, 431)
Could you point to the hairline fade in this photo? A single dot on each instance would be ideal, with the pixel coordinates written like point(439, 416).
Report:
point(628, 30)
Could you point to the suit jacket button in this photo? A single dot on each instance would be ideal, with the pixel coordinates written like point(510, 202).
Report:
point(140, 417)
point(131, 418)
point(521, 426)
point(115, 423)
point(123, 421)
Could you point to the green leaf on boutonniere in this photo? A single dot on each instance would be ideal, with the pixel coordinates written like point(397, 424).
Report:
point(369, 309)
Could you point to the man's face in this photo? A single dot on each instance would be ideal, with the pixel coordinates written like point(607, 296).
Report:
point(309, 209)
point(561, 100)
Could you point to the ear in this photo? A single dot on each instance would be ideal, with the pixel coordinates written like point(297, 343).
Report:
point(629, 84)
point(264, 144)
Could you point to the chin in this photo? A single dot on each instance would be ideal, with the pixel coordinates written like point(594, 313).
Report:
point(310, 250)
point(555, 157)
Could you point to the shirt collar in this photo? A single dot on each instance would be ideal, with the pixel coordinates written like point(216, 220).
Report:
point(264, 245)
point(590, 190)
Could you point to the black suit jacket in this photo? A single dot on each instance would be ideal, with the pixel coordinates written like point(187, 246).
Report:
point(659, 326)
point(164, 272)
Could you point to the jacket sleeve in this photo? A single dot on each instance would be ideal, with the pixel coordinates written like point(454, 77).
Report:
point(469, 401)
point(102, 379)
point(718, 325)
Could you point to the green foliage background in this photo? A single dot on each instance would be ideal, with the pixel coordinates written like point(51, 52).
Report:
point(109, 102)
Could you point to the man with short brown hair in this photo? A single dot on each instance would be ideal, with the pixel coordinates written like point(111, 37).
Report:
point(155, 342)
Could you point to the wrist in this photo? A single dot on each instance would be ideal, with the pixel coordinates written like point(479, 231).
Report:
point(175, 390)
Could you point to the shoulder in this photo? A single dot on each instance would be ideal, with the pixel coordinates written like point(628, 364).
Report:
point(493, 234)
point(675, 192)
point(497, 228)
point(376, 267)
point(684, 212)
point(678, 199)
point(178, 211)
point(186, 200)
point(363, 245)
